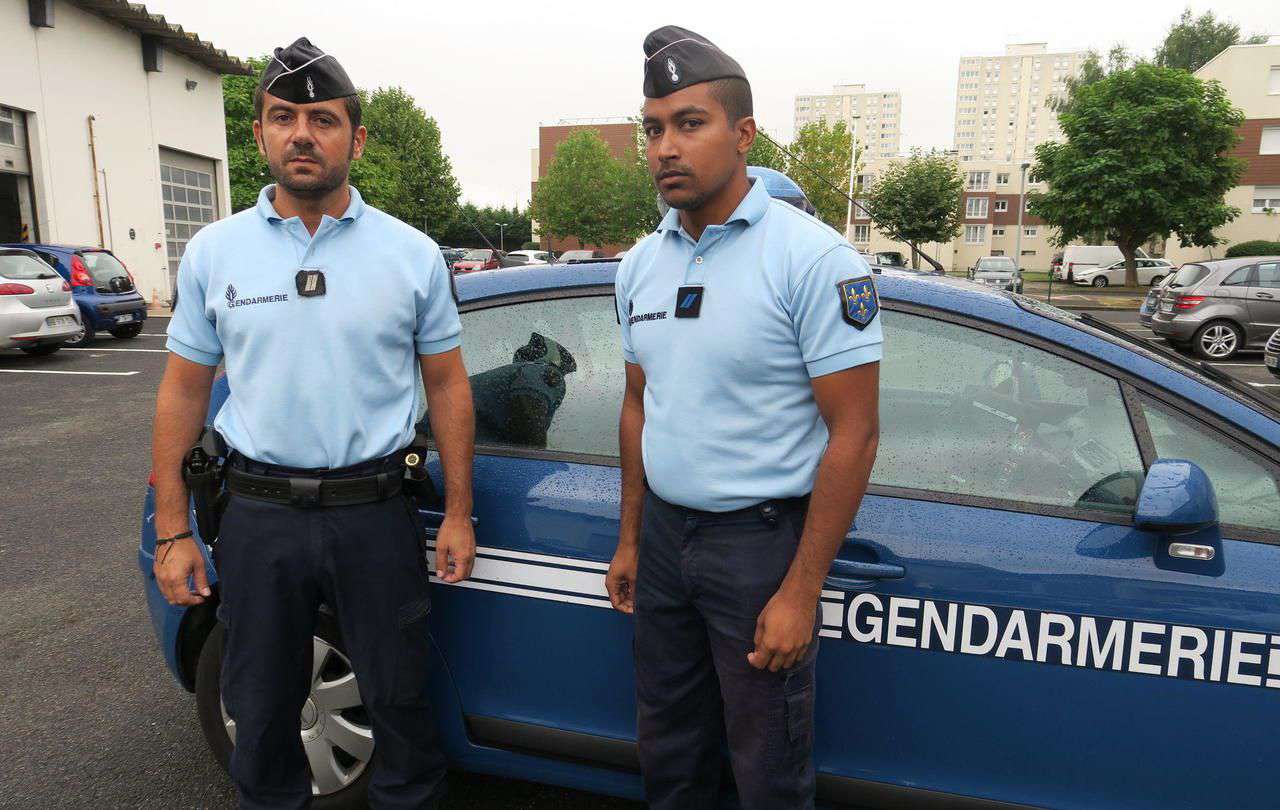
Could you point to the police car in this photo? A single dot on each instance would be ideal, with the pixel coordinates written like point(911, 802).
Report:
point(1062, 588)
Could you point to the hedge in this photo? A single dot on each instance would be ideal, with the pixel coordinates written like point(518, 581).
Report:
point(1256, 247)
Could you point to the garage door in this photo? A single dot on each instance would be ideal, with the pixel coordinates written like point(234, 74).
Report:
point(17, 214)
point(187, 183)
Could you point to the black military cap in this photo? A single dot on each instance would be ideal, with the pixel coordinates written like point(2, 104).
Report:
point(302, 74)
point(675, 58)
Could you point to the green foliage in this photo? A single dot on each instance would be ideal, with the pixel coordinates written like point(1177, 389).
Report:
point(823, 156)
point(1092, 71)
point(918, 199)
point(1254, 247)
point(589, 194)
point(1144, 155)
point(1193, 41)
point(469, 225)
point(246, 168)
point(764, 153)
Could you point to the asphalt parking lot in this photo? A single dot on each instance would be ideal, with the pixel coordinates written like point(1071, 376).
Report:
point(90, 715)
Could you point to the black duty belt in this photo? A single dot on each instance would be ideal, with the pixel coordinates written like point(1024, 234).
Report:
point(315, 492)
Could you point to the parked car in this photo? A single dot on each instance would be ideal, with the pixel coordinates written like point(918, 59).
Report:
point(37, 314)
point(102, 288)
point(1218, 308)
point(1150, 273)
point(997, 271)
point(1040, 555)
point(532, 256)
point(477, 259)
point(1152, 302)
point(580, 255)
point(890, 258)
point(1271, 354)
point(452, 255)
point(1078, 258)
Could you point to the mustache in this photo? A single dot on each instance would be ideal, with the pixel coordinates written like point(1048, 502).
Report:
point(295, 152)
point(675, 171)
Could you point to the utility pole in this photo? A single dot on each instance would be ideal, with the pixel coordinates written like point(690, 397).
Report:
point(502, 230)
point(853, 176)
point(1022, 205)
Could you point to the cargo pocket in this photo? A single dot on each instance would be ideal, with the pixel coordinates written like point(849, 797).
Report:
point(798, 695)
point(413, 653)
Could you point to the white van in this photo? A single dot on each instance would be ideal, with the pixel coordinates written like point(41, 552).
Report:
point(1087, 257)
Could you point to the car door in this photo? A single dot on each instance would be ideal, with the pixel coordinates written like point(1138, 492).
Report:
point(531, 640)
point(1264, 302)
point(995, 627)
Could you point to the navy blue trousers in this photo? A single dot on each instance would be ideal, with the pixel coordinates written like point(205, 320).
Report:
point(276, 565)
point(702, 582)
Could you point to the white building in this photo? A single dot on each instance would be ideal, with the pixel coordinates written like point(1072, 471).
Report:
point(875, 117)
point(111, 132)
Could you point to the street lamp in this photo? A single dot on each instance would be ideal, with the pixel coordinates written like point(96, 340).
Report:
point(502, 229)
point(424, 217)
point(1022, 204)
point(853, 174)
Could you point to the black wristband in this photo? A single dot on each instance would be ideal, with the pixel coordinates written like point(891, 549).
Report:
point(162, 541)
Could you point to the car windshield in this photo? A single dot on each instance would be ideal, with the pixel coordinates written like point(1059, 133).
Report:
point(997, 264)
point(1189, 274)
point(102, 266)
point(478, 255)
point(24, 267)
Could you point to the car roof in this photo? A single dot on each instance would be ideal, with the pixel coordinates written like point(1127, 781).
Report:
point(1232, 264)
point(55, 247)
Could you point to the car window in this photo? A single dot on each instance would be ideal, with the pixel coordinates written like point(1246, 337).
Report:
point(49, 258)
point(967, 412)
point(546, 375)
point(1248, 492)
point(1268, 274)
point(1241, 277)
point(102, 266)
point(1189, 274)
point(23, 266)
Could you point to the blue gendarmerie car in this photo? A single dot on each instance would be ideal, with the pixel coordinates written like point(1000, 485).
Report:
point(1062, 588)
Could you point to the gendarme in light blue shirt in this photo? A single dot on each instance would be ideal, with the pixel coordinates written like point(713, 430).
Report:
point(730, 418)
point(316, 382)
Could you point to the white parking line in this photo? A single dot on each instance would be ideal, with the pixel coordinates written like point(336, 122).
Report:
point(153, 334)
point(156, 351)
point(82, 373)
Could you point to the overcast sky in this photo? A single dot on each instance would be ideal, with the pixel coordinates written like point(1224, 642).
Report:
point(490, 73)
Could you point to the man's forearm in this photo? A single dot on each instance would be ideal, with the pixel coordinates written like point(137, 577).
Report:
point(630, 430)
point(453, 426)
point(841, 482)
point(180, 415)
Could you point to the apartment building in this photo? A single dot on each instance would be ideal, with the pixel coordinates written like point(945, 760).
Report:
point(875, 117)
point(1250, 74)
point(1001, 110)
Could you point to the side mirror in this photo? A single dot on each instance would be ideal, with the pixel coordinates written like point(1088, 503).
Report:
point(1177, 503)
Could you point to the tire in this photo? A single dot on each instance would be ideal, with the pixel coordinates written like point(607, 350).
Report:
point(1217, 341)
point(347, 791)
point(82, 338)
point(41, 351)
point(128, 331)
point(1099, 281)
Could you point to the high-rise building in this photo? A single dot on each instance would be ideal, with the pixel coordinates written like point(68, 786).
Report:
point(1001, 101)
point(875, 117)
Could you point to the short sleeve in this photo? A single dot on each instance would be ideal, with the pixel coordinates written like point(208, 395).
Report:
point(438, 328)
point(193, 334)
point(623, 304)
point(830, 338)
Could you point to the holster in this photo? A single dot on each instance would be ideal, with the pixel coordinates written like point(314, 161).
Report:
point(417, 483)
point(203, 470)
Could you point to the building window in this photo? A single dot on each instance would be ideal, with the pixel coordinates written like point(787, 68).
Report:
point(8, 129)
point(1029, 232)
point(997, 253)
point(997, 231)
point(975, 234)
point(862, 234)
point(1273, 84)
point(975, 207)
point(1270, 141)
point(1002, 178)
point(1002, 206)
point(979, 181)
point(1028, 253)
point(1266, 198)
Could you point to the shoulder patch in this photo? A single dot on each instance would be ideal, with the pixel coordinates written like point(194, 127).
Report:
point(858, 301)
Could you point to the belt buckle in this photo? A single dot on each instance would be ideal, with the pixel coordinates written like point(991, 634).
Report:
point(304, 492)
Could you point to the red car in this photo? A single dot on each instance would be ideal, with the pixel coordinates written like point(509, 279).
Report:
point(477, 259)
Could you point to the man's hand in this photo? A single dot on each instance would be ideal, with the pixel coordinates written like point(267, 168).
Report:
point(455, 549)
point(784, 630)
point(620, 582)
point(175, 563)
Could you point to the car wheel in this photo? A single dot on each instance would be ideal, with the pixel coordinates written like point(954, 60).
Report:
point(42, 350)
point(1217, 340)
point(1100, 281)
point(333, 722)
point(129, 331)
point(82, 338)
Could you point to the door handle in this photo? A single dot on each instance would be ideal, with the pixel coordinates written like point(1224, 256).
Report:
point(850, 575)
point(1264, 295)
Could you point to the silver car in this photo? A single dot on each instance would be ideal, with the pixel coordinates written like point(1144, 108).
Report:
point(37, 314)
point(997, 271)
point(1218, 308)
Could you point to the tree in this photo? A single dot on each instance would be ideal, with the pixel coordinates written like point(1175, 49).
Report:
point(589, 194)
point(918, 200)
point(764, 153)
point(245, 167)
point(406, 146)
point(470, 225)
point(1092, 70)
point(1144, 155)
point(1193, 41)
point(823, 157)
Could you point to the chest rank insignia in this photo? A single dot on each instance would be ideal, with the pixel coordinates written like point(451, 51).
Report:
point(858, 301)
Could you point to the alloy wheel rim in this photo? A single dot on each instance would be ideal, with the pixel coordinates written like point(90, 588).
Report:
point(336, 734)
point(1218, 341)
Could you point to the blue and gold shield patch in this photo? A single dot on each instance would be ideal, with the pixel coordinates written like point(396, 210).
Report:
point(858, 301)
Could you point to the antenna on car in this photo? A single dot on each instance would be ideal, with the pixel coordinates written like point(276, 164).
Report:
point(937, 266)
point(462, 211)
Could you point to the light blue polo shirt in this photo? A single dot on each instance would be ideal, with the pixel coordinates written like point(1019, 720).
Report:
point(316, 382)
point(729, 414)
